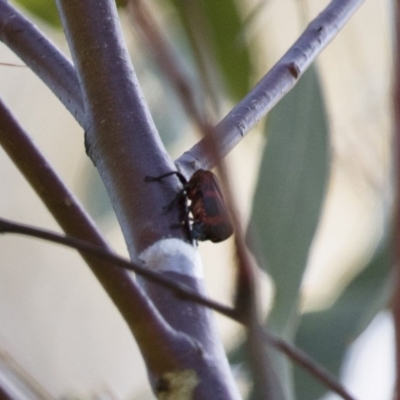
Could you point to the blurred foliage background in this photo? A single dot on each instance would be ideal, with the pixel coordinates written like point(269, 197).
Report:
point(313, 181)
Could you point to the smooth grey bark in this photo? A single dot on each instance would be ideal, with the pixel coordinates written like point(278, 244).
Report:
point(123, 143)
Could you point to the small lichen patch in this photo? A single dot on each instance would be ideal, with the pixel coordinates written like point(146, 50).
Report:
point(177, 385)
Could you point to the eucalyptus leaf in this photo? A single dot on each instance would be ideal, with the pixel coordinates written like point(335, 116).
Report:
point(230, 49)
point(43, 9)
point(215, 32)
point(290, 193)
point(46, 10)
point(326, 335)
point(287, 203)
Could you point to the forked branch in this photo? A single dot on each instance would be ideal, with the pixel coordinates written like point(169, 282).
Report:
point(272, 87)
point(183, 292)
point(133, 304)
point(57, 73)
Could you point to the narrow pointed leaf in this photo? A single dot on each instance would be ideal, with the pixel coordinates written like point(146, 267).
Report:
point(290, 193)
point(43, 9)
point(326, 335)
point(287, 203)
point(215, 31)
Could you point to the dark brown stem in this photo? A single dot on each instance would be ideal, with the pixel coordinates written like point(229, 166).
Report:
point(295, 354)
point(198, 32)
point(266, 384)
point(161, 50)
point(305, 361)
point(104, 254)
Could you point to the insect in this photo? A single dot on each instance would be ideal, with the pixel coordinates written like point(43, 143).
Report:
point(210, 219)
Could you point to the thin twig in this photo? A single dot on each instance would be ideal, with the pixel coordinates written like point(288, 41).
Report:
point(306, 362)
point(275, 84)
point(207, 153)
point(293, 71)
point(266, 384)
point(133, 304)
point(182, 292)
point(5, 64)
point(246, 299)
point(157, 44)
point(179, 289)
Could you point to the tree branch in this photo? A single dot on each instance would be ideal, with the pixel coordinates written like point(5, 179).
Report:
point(123, 143)
point(185, 293)
point(42, 57)
point(56, 71)
point(142, 317)
point(157, 44)
point(102, 81)
point(246, 299)
point(275, 84)
point(305, 361)
point(104, 254)
point(266, 384)
point(121, 138)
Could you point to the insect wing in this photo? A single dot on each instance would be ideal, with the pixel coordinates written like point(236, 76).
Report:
point(211, 218)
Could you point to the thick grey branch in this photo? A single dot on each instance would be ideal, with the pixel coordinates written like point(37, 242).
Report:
point(275, 84)
point(123, 143)
point(121, 138)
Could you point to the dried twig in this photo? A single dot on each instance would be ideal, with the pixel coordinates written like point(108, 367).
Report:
point(182, 292)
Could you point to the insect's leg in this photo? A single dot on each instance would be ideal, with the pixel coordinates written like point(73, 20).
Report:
point(174, 201)
point(188, 229)
point(158, 178)
point(181, 198)
point(185, 219)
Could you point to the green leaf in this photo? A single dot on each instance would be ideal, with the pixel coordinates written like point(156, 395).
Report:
point(290, 193)
point(326, 335)
point(43, 9)
point(47, 11)
point(288, 201)
point(232, 54)
point(214, 29)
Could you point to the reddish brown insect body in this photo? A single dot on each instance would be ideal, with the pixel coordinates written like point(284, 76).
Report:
point(210, 219)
